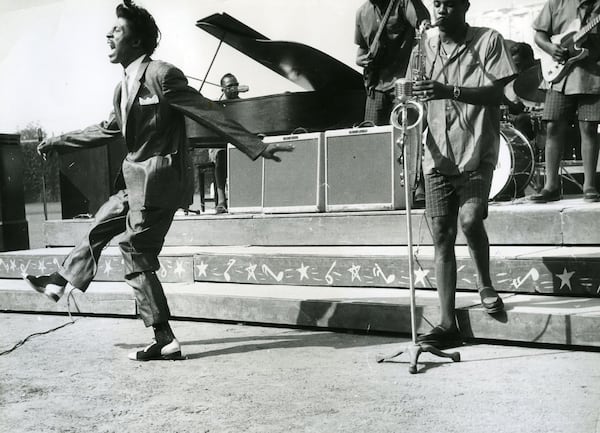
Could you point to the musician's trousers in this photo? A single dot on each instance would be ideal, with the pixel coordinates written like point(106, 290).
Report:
point(142, 237)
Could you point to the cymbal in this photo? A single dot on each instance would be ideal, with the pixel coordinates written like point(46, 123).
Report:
point(527, 84)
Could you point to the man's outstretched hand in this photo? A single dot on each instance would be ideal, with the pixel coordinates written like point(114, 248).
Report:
point(272, 148)
point(45, 148)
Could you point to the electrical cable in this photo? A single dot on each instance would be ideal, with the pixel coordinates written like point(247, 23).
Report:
point(37, 334)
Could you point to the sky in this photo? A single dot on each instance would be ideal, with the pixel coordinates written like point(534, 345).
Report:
point(55, 70)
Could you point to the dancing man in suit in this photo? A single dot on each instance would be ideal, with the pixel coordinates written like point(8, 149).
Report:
point(577, 94)
point(150, 106)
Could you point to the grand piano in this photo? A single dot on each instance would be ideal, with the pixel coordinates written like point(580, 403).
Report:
point(333, 98)
point(334, 93)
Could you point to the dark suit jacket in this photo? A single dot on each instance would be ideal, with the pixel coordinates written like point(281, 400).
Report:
point(157, 171)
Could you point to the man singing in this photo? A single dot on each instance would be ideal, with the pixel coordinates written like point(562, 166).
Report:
point(467, 68)
point(156, 176)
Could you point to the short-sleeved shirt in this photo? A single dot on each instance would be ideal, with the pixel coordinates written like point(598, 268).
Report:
point(462, 136)
point(397, 39)
point(555, 18)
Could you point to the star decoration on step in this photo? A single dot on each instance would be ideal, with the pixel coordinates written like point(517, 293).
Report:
point(251, 272)
point(13, 265)
point(303, 271)
point(179, 268)
point(107, 267)
point(420, 275)
point(42, 266)
point(355, 272)
point(202, 269)
point(565, 279)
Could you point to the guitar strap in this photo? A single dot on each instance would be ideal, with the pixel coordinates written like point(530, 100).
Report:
point(585, 11)
point(381, 28)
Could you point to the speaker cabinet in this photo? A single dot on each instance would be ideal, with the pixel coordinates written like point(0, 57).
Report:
point(296, 184)
point(244, 178)
point(362, 169)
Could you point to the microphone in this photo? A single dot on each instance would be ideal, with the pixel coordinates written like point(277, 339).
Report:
point(403, 89)
point(240, 88)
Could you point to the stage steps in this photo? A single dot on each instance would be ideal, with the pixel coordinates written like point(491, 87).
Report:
point(519, 222)
point(568, 271)
point(348, 271)
point(528, 318)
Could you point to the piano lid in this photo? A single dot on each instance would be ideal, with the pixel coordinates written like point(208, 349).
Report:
point(305, 66)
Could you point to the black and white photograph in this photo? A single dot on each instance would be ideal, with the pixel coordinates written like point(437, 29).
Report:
point(273, 216)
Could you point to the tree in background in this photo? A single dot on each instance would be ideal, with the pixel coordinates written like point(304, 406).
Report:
point(34, 166)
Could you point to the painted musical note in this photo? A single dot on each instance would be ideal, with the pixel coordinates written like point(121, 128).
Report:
point(230, 263)
point(533, 274)
point(378, 272)
point(328, 277)
point(268, 271)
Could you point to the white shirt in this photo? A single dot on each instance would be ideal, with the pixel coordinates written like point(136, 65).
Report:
point(129, 74)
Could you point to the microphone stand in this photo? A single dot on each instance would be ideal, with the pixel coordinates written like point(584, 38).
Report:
point(414, 349)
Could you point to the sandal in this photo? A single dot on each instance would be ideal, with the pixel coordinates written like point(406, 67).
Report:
point(490, 300)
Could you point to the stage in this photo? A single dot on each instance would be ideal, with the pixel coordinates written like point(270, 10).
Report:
point(348, 270)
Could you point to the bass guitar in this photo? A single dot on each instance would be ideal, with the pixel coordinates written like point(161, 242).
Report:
point(571, 39)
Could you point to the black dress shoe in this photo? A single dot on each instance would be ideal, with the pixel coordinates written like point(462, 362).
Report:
point(53, 285)
point(158, 352)
point(490, 300)
point(544, 196)
point(441, 337)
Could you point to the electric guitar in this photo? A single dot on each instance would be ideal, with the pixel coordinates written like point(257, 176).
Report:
point(571, 39)
point(374, 55)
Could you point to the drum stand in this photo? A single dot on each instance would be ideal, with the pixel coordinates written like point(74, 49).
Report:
point(413, 349)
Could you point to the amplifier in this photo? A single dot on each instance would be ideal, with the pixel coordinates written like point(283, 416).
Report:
point(244, 178)
point(362, 169)
point(296, 184)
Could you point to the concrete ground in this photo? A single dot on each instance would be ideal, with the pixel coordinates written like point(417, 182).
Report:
point(238, 378)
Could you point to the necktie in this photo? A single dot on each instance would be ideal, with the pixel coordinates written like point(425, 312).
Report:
point(124, 98)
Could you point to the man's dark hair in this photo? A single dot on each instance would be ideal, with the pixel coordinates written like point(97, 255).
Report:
point(228, 75)
point(523, 50)
point(142, 24)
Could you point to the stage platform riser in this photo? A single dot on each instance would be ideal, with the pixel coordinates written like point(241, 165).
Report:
point(573, 323)
point(565, 276)
point(173, 269)
point(569, 276)
point(510, 225)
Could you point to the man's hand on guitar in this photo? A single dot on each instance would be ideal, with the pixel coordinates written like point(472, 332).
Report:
point(559, 54)
point(364, 60)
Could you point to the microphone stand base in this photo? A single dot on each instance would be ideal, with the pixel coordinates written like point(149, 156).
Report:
point(414, 350)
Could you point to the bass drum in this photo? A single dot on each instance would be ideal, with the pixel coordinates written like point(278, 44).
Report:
point(515, 167)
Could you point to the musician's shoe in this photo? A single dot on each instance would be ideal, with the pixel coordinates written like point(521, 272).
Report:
point(590, 195)
point(221, 209)
point(490, 300)
point(441, 337)
point(158, 352)
point(545, 196)
point(53, 285)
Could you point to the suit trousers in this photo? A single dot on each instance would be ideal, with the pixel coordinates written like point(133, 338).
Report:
point(142, 233)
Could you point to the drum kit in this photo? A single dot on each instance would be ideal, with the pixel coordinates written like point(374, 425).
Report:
point(520, 158)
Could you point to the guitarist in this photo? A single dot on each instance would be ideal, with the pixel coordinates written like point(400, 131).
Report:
point(577, 94)
point(384, 47)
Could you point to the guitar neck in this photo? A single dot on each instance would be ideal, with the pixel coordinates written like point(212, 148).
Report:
point(381, 27)
point(587, 28)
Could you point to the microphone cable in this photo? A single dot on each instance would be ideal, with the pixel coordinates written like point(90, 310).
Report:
point(37, 334)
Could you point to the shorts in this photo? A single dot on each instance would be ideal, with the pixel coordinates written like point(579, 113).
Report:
point(560, 106)
point(445, 195)
point(378, 107)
